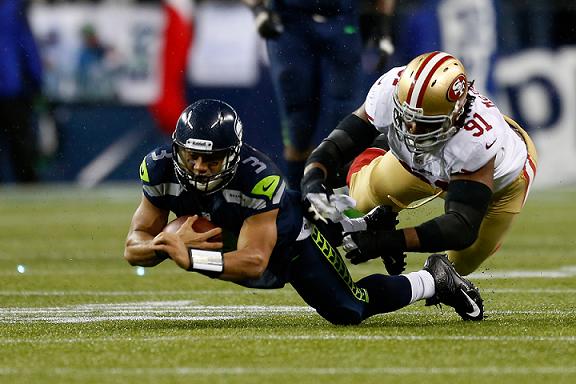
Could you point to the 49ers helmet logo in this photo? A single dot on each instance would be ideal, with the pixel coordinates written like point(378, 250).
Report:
point(457, 88)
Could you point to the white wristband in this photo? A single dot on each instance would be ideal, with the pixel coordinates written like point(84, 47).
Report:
point(201, 260)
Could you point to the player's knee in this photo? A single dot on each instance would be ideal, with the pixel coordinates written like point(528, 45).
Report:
point(342, 316)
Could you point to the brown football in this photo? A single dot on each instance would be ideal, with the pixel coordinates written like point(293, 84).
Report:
point(201, 225)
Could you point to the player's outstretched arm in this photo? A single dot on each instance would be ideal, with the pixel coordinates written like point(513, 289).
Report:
point(352, 135)
point(466, 203)
point(256, 241)
point(147, 222)
point(249, 261)
point(179, 244)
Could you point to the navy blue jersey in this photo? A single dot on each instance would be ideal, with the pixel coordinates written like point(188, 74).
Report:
point(321, 7)
point(258, 186)
point(311, 265)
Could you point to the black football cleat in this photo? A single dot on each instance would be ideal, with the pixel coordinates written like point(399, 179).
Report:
point(454, 290)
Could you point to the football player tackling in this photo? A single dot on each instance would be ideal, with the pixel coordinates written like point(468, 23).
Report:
point(426, 132)
point(209, 171)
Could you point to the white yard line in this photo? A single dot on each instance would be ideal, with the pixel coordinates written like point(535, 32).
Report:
point(563, 272)
point(328, 337)
point(312, 371)
point(184, 310)
point(214, 292)
point(241, 291)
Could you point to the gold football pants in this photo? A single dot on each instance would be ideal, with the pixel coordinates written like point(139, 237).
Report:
point(384, 175)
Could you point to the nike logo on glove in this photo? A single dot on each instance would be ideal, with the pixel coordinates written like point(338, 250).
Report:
point(475, 308)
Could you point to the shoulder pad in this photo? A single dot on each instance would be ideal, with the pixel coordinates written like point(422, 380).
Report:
point(156, 166)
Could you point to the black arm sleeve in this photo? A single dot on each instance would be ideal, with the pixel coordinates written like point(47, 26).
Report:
point(346, 141)
point(465, 207)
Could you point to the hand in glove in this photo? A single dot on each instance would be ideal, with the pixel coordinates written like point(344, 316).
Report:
point(378, 239)
point(381, 217)
point(321, 203)
point(388, 245)
point(376, 29)
point(385, 50)
point(268, 23)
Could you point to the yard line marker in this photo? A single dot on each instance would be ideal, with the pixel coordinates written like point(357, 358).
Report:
point(315, 371)
point(186, 310)
point(242, 291)
point(563, 272)
point(531, 290)
point(283, 338)
point(239, 291)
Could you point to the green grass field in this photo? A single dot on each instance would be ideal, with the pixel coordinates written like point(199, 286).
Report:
point(73, 311)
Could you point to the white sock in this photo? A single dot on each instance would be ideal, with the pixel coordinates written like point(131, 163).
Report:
point(422, 284)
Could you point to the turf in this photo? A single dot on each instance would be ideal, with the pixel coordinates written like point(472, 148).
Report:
point(76, 312)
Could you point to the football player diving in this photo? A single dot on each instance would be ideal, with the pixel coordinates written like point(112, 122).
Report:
point(425, 131)
point(209, 171)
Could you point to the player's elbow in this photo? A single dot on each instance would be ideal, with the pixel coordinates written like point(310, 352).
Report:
point(129, 257)
point(130, 261)
point(257, 264)
point(137, 257)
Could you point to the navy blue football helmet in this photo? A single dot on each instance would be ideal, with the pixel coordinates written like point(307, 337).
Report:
point(212, 130)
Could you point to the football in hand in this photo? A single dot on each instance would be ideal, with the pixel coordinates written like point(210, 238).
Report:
point(201, 225)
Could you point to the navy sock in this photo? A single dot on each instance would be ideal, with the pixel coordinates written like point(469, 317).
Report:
point(386, 293)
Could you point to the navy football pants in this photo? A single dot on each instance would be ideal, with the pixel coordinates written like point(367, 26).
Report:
point(321, 277)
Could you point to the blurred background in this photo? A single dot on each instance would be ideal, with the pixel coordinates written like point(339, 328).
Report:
point(111, 77)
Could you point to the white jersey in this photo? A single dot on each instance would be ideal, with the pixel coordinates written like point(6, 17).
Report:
point(485, 135)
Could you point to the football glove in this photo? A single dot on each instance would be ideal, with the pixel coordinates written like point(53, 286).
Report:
point(374, 235)
point(385, 50)
point(332, 207)
point(366, 245)
point(378, 35)
point(268, 23)
point(315, 195)
point(395, 264)
point(381, 217)
point(320, 202)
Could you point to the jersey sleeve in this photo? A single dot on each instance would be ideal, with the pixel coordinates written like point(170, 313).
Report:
point(157, 178)
point(379, 102)
point(266, 189)
point(257, 187)
point(262, 186)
